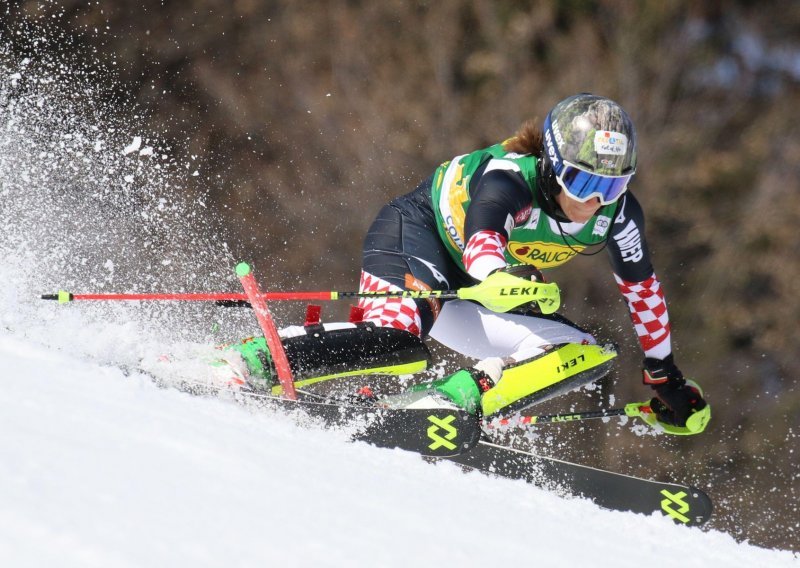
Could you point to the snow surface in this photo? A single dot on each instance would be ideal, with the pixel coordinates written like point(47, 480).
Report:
point(102, 469)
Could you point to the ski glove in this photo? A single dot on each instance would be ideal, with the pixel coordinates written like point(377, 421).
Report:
point(527, 271)
point(675, 400)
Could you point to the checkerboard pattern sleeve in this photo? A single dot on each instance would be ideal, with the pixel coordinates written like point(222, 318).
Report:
point(485, 252)
point(649, 315)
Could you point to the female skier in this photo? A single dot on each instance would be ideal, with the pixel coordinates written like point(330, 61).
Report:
point(533, 202)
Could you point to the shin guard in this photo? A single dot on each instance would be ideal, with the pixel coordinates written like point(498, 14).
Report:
point(321, 355)
point(550, 374)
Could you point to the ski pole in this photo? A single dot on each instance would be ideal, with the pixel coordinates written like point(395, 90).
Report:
point(239, 299)
point(695, 424)
point(500, 292)
point(633, 410)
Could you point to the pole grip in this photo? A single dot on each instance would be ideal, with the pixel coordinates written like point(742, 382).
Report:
point(233, 304)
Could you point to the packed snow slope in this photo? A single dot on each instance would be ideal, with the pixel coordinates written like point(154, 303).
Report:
point(102, 469)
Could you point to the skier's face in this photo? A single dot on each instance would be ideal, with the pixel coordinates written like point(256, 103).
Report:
point(576, 211)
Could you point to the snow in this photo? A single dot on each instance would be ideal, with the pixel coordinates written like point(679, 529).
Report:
point(100, 468)
point(133, 146)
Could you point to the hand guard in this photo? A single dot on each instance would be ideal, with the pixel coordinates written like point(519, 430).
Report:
point(675, 400)
point(526, 272)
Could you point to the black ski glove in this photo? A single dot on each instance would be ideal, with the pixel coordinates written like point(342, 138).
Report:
point(527, 271)
point(675, 401)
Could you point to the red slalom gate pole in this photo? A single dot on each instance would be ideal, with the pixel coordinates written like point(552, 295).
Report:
point(259, 304)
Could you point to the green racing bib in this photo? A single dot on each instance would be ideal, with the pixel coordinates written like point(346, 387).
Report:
point(536, 240)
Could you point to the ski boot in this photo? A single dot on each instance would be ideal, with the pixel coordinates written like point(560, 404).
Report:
point(229, 370)
point(253, 358)
point(463, 389)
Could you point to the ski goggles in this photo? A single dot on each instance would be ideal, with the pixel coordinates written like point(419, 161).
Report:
point(582, 186)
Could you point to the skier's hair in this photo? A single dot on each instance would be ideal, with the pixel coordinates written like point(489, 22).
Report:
point(527, 140)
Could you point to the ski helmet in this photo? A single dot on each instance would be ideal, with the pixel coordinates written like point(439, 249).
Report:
point(590, 148)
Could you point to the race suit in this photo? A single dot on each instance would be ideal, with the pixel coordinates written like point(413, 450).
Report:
point(478, 213)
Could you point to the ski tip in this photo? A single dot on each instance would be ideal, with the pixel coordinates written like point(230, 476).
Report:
point(242, 269)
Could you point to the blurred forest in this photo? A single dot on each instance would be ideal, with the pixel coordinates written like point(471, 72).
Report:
point(310, 115)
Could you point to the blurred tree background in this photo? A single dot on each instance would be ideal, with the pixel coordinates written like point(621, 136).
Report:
point(309, 115)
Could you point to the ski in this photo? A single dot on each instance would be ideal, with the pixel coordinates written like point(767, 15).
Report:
point(435, 432)
point(457, 436)
point(431, 432)
point(684, 504)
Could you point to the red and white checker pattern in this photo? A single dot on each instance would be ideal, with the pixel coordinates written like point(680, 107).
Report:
point(485, 251)
point(649, 315)
point(400, 313)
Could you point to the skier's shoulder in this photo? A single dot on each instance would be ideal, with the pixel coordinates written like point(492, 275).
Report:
point(627, 245)
point(628, 214)
point(504, 170)
point(512, 162)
